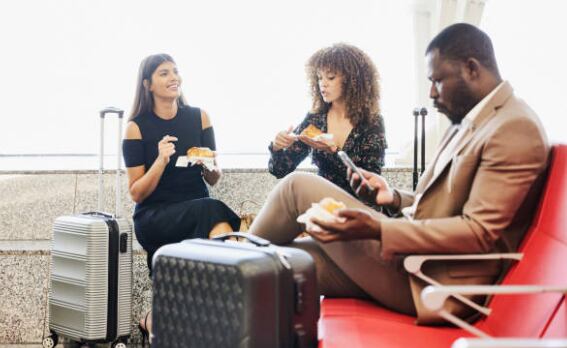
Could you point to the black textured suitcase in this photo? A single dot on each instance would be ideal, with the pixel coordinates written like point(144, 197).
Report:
point(218, 293)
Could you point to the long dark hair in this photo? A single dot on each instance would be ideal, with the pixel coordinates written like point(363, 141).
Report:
point(361, 89)
point(144, 100)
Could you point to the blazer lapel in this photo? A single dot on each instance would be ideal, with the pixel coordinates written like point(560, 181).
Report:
point(486, 113)
point(461, 139)
point(428, 173)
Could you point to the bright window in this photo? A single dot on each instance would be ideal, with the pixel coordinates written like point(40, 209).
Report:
point(529, 40)
point(242, 61)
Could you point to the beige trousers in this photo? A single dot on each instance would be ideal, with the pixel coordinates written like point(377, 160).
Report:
point(344, 269)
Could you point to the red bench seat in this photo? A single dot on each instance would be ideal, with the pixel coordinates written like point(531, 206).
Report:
point(354, 323)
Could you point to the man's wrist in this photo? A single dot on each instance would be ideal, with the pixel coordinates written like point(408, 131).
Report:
point(396, 201)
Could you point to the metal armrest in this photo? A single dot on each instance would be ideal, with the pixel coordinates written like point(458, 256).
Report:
point(413, 265)
point(434, 298)
point(509, 343)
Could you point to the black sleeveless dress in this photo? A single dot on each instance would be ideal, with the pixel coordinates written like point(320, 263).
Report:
point(180, 207)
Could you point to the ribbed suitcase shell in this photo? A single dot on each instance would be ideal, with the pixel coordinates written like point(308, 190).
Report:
point(79, 297)
point(224, 294)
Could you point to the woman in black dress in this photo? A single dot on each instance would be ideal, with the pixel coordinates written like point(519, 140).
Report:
point(172, 202)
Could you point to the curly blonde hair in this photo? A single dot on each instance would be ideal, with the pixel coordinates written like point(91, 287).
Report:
point(361, 90)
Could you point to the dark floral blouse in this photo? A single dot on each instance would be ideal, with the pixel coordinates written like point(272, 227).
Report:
point(365, 145)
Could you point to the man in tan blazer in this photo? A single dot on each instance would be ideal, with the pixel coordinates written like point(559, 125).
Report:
point(477, 195)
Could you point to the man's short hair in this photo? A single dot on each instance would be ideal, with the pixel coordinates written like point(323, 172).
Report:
point(462, 41)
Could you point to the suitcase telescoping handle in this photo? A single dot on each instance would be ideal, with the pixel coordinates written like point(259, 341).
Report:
point(250, 237)
point(416, 173)
point(103, 113)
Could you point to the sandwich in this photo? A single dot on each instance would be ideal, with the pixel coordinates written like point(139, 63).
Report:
point(331, 205)
point(311, 131)
point(201, 155)
point(324, 211)
point(200, 152)
point(315, 134)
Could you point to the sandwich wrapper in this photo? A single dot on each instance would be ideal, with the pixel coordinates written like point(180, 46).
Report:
point(326, 138)
point(317, 211)
point(208, 162)
point(184, 161)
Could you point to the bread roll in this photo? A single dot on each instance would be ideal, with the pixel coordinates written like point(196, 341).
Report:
point(311, 131)
point(330, 205)
point(200, 152)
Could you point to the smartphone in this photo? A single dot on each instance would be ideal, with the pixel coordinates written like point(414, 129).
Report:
point(365, 195)
point(348, 162)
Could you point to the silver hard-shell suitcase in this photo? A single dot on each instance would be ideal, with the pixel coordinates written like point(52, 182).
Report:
point(90, 298)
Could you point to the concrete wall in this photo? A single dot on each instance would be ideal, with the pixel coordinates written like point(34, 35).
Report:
point(29, 202)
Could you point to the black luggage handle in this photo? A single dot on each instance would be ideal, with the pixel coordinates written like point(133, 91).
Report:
point(99, 213)
point(258, 241)
point(416, 173)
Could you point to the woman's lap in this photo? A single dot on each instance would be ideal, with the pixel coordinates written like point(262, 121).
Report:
point(173, 222)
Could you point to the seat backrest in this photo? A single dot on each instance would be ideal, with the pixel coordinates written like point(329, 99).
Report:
point(544, 262)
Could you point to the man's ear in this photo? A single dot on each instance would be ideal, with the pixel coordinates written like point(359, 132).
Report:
point(472, 68)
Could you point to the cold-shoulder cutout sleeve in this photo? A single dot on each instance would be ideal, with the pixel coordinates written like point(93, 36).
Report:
point(208, 138)
point(133, 151)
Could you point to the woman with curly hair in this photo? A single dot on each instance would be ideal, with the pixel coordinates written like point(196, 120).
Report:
point(344, 86)
point(345, 92)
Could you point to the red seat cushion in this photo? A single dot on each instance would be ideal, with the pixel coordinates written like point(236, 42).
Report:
point(357, 323)
point(558, 326)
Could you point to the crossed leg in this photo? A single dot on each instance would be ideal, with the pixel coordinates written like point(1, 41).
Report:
point(345, 269)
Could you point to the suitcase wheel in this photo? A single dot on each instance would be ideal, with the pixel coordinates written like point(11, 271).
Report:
point(50, 341)
point(118, 344)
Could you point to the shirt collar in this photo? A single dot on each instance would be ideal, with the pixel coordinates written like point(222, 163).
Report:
point(475, 111)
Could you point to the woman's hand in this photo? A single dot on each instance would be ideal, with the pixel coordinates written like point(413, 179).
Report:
point(318, 145)
point(142, 182)
point(283, 139)
point(166, 148)
point(211, 175)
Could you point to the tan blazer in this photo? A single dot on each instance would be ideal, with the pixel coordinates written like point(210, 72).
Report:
point(481, 201)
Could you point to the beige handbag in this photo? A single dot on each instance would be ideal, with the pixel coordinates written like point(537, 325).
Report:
point(246, 217)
